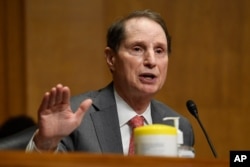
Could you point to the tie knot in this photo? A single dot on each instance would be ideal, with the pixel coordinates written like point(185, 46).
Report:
point(136, 121)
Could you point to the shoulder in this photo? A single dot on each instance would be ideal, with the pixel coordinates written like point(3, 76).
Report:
point(98, 96)
point(164, 109)
point(76, 100)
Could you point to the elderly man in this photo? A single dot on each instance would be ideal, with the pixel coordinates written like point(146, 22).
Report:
point(137, 53)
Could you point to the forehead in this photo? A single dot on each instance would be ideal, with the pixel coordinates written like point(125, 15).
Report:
point(144, 28)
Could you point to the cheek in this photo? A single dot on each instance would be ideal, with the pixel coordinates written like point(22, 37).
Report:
point(164, 63)
point(164, 69)
point(124, 69)
point(130, 65)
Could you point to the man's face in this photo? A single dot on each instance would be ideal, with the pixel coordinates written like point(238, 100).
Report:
point(140, 64)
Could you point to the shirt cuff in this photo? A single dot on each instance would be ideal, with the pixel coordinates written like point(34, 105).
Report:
point(31, 147)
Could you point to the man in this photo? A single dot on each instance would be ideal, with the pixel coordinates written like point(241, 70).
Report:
point(137, 53)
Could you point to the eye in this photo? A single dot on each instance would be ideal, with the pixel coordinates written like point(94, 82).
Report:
point(137, 49)
point(159, 51)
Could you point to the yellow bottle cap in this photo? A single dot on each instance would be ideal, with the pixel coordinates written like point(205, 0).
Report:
point(155, 129)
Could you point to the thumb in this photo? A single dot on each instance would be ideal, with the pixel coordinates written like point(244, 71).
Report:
point(84, 106)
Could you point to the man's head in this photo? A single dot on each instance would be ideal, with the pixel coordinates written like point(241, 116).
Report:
point(137, 54)
point(116, 31)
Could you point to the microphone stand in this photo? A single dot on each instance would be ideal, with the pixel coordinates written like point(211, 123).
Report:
point(207, 137)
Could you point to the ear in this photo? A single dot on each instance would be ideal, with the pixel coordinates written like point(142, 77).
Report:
point(110, 58)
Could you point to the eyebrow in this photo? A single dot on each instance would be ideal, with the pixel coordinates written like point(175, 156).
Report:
point(140, 42)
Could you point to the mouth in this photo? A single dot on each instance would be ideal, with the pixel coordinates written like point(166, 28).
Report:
point(147, 77)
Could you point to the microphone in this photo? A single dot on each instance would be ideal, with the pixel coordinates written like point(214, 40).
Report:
point(191, 106)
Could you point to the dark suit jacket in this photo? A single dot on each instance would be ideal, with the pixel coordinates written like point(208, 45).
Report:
point(99, 131)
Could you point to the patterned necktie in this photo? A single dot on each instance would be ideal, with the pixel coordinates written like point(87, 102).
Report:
point(133, 123)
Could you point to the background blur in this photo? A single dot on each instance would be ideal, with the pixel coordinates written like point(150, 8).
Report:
point(45, 42)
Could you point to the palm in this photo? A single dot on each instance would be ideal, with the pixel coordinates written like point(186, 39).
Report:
point(55, 117)
point(58, 121)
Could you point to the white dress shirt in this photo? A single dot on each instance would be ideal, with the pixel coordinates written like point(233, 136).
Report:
point(125, 113)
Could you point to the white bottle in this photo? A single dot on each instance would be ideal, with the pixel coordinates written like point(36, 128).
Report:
point(183, 151)
point(179, 132)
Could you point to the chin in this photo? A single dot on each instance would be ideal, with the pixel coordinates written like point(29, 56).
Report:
point(150, 92)
point(150, 88)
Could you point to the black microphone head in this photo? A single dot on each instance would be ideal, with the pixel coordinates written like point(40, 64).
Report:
point(191, 106)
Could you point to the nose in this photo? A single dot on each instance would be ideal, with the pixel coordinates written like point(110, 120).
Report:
point(150, 59)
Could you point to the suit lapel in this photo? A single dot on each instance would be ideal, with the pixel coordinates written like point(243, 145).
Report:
point(106, 121)
point(156, 114)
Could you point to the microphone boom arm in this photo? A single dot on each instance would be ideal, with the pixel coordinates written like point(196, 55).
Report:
point(207, 137)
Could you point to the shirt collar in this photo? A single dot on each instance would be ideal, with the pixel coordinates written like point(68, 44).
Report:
point(125, 112)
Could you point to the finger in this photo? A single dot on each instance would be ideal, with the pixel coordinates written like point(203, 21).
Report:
point(44, 104)
point(52, 97)
point(59, 94)
point(65, 95)
point(84, 106)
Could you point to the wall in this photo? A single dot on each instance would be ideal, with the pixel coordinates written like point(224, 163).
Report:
point(12, 59)
point(63, 42)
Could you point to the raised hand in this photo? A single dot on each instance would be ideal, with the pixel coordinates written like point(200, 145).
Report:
point(56, 119)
